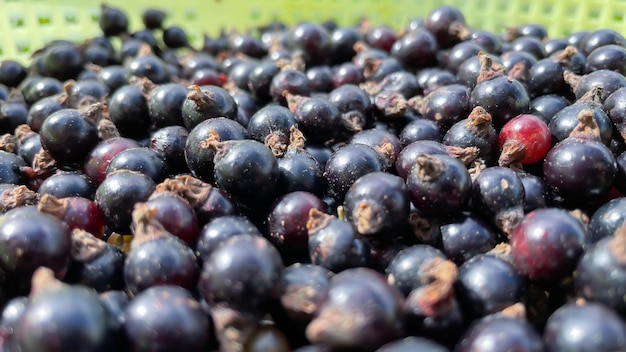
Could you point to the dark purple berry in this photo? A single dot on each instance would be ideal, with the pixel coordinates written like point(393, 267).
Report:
point(166, 318)
point(595, 327)
point(245, 272)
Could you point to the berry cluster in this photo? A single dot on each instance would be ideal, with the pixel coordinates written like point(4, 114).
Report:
point(315, 188)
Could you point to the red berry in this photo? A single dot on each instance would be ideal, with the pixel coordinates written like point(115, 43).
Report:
point(532, 133)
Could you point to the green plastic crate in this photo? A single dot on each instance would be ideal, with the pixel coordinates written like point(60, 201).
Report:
point(26, 25)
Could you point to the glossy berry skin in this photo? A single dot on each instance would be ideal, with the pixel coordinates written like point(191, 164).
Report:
point(318, 119)
point(163, 260)
point(488, 284)
point(30, 239)
point(349, 294)
point(466, 133)
point(10, 168)
point(176, 216)
point(169, 144)
point(607, 219)
point(547, 244)
point(350, 99)
point(464, 236)
point(166, 318)
point(349, 163)
point(143, 160)
point(447, 105)
point(336, 246)
point(67, 184)
point(607, 57)
point(244, 272)
point(586, 327)
point(469, 70)
point(59, 319)
point(297, 279)
point(535, 195)
point(546, 106)
point(420, 130)
point(432, 78)
point(165, 103)
point(271, 121)
point(531, 132)
point(403, 271)
point(502, 97)
point(247, 170)
point(87, 89)
point(377, 204)
point(207, 102)
point(68, 136)
point(598, 38)
point(342, 41)
point(292, 81)
point(412, 343)
point(401, 82)
point(36, 88)
point(219, 230)
point(498, 190)
point(546, 77)
point(384, 142)
point(41, 109)
point(112, 21)
point(62, 61)
point(314, 42)
point(101, 155)
point(601, 274)
point(11, 73)
point(287, 224)
point(148, 66)
point(438, 184)
point(13, 114)
point(406, 157)
point(199, 155)
point(615, 108)
point(380, 37)
point(260, 79)
point(498, 333)
point(12, 312)
point(579, 169)
point(174, 37)
point(461, 52)
point(128, 110)
point(117, 194)
point(346, 73)
point(564, 121)
point(79, 213)
point(610, 81)
point(300, 171)
point(240, 73)
point(28, 147)
point(113, 76)
point(415, 50)
point(103, 272)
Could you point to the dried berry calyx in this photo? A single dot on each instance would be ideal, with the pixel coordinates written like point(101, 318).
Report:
point(8, 142)
point(145, 227)
point(52, 205)
point(85, 246)
point(428, 168)
point(488, 68)
point(465, 155)
point(317, 220)
point(17, 197)
point(587, 128)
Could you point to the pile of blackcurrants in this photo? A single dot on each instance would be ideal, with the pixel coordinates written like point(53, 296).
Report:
point(315, 188)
